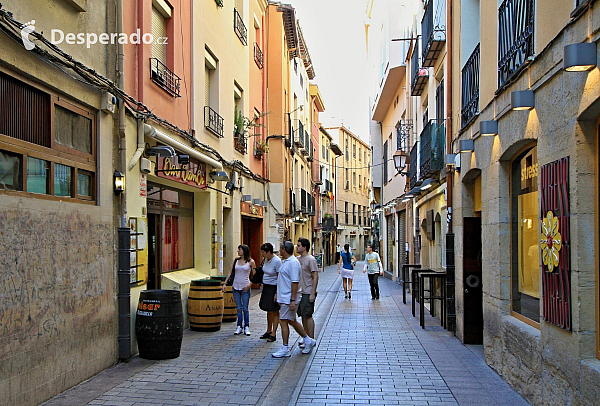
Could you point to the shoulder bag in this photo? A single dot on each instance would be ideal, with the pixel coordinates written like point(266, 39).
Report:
point(232, 274)
point(257, 277)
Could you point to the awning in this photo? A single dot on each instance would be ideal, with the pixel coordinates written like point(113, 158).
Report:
point(159, 135)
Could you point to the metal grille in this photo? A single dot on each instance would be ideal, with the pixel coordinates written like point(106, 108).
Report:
point(432, 149)
point(258, 56)
point(240, 143)
point(239, 27)
point(515, 39)
point(412, 172)
point(470, 88)
point(24, 112)
point(164, 77)
point(213, 121)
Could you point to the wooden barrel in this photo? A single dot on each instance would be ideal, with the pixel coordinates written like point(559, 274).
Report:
point(205, 305)
point(220, 278)
point(159, 324)
point(229, 310)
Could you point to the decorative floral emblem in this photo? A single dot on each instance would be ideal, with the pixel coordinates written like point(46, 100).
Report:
point(551, 241)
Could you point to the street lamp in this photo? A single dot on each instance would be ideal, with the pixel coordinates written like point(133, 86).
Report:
point(400, 161)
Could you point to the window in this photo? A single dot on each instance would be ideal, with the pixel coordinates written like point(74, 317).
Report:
point(160, 13)
point(525, 265)
point(354, 151)
point(39, 158)
point(213, 122)
point(174, 210)
point(354, 179)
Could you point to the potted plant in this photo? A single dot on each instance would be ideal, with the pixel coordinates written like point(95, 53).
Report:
point(239, 123)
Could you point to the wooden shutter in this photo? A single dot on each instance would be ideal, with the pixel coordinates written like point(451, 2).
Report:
point(159, 29)
point(402, 237)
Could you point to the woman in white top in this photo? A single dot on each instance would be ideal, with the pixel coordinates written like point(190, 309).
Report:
point(267, 300)
point(241, 288)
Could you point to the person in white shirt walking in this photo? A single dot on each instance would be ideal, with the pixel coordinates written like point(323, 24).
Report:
point(374, 269)
point(309, 279)
point(287, 291)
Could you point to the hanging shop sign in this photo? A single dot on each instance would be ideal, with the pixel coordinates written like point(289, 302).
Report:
point(193, 174)
point(251, 210)
point(555, 243)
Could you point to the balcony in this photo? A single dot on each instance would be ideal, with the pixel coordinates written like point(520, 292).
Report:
point(328, 224)
point(433, 148)
point(515, 37)
point(240, 143)
point(213, 122)
point(306, 201)
point(259, 150)
point(327, 186)
point(299, 135)
point(306, 145)
point(164, 77)
point(311, 205)
point(433, 28)
point(239, 27)
point(310, 157)
point(419, 75)
point(470, 88)
point(258, 56)
point(292, 201)
point(412, 170)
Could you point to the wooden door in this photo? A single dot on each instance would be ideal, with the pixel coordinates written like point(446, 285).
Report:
point(472, 282)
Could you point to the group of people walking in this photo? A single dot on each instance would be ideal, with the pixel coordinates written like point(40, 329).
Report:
point(289, 289)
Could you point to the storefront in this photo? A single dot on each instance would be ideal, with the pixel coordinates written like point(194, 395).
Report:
point(252, 228)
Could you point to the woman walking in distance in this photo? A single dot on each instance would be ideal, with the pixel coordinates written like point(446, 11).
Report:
point(267, 299)
point(346, 264)
point(374, 269)
point(241, 288)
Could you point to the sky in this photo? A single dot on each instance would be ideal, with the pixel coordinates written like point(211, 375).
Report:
point(335, 35)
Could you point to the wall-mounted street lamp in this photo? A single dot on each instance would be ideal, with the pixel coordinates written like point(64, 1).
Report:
point(219, 175)
point(400, 161)
point(119, 182)
point(246, 198)
point(488, 127)
point(466, 146)
point(256, 201)
point(427, 183)
point(579, 57)
point(450, 159)
point(522, 100)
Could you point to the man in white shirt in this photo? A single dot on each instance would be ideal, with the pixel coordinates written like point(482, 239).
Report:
point(287, 291)
point(309, 279)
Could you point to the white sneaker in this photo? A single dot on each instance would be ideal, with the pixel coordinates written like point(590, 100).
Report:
point(309, 346)
point(247, 330)
point(238, 330)
point(283, 352)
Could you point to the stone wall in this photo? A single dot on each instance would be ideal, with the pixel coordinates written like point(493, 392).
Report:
point(57, 319)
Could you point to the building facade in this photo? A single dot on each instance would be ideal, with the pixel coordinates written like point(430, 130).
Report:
point(57, 202)
point(353, 188)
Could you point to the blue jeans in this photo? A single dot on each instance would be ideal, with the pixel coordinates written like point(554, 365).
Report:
point(241, 304)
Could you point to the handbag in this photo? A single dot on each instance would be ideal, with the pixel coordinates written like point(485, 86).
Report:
point(257, 277)
point(232, 274)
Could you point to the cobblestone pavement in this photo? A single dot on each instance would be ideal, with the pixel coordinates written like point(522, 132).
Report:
point(369, 352)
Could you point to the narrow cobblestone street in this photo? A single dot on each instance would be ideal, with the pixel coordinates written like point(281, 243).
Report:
point(368, 352)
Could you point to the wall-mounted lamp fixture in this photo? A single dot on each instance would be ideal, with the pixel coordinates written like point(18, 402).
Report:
point(264, 203)
point(400, 161)
point(119, 182)
point(219, 175)
point(256, 201)
point(579, 57)
point(427, 183)
point(230, 186)
point(450, 159)
point(405, 199)
point(413, 192)
point(160, 150)
point(488, 127)
point(246, 198)
point(466, 146)
point(522, 100)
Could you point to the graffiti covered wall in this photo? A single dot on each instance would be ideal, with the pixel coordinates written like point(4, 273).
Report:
point(57, 293)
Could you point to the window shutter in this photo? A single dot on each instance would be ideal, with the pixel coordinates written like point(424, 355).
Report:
point(206, 86)
point(159, 29)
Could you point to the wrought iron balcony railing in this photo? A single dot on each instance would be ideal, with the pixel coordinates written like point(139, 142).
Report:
point(292, 201)
point(305, 200)
point(258, 56)
point(419, 74)
point(433, 148)
point(240, 143)
point(312, 205)
point(259, 150)
point(305, 150)
point(164, 77)
point(213, 121)
point(412, 170)
point(299, 135)
point(239, 27)
point(470, 88)
point(434, 31)
point(328, 224)
point(515, 36)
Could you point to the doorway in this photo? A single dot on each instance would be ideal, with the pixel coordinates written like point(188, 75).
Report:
point(472, 283)
point(153, 251)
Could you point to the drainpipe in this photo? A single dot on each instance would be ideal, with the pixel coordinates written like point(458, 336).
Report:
point(450, 259)
point(141, 145)
point(124, 240)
